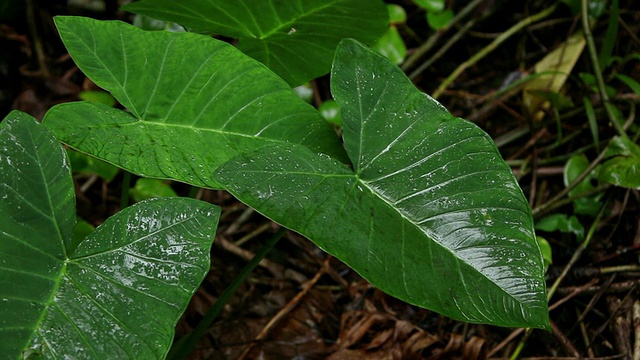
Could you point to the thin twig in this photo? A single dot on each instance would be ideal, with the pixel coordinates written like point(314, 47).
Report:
point(572, 185)
point(574, 259)
point(564, 341)
point(492, 46)
point(37, 43)
point(287, 309)
point(443, 49)
point(185, 346)
point(636, 327)
point(420, 51)
point(519, 331)
point(593, 54)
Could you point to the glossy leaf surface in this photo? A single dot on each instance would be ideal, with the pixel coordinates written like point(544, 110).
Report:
point(430, 214)
point(623, 166)
point(194, 102)
point(120, 291)
point(294, 38)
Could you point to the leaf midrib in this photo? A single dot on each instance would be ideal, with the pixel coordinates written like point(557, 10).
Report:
point(283, 26)
point(417, 226)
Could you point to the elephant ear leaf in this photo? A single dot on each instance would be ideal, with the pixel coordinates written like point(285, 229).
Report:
point(295, 39)
point(193, 103)
point(430, 213)
point(120, 291)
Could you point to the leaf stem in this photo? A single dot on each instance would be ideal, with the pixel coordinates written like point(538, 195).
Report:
point(442, 49)
point(492, 46)
point(595, 63)
point(126, 185)
point(427, 45)
point(185, 346)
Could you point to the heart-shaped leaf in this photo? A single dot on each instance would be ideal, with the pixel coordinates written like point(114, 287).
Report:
point(194, 102)
point(430, 213)
point(120, 292)
point(296, 39)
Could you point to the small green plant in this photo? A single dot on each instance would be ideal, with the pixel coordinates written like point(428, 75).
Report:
point(417, 201)
point(119, 291)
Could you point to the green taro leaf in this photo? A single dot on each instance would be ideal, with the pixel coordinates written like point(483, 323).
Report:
point(194, 102)
point(119, 292)
point(294, 38)
point(430, 214)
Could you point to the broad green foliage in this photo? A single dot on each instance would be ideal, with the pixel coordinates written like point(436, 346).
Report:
point(120, 291)
point(294, 38)
point(430, 213)
point(194, 102)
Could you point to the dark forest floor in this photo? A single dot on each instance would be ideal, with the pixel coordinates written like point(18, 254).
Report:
point(302, 304)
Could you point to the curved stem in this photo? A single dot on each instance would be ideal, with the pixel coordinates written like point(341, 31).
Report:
point(126, 185)
point(593, 54)
point(427, 45)
point(443, 49)
point(492, 46)
point(569, 187)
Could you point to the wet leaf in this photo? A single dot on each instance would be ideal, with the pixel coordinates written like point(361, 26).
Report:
point(194, 102)
point(294, 39)
point(430, 212)
point(623, 167)
point(124, 287)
